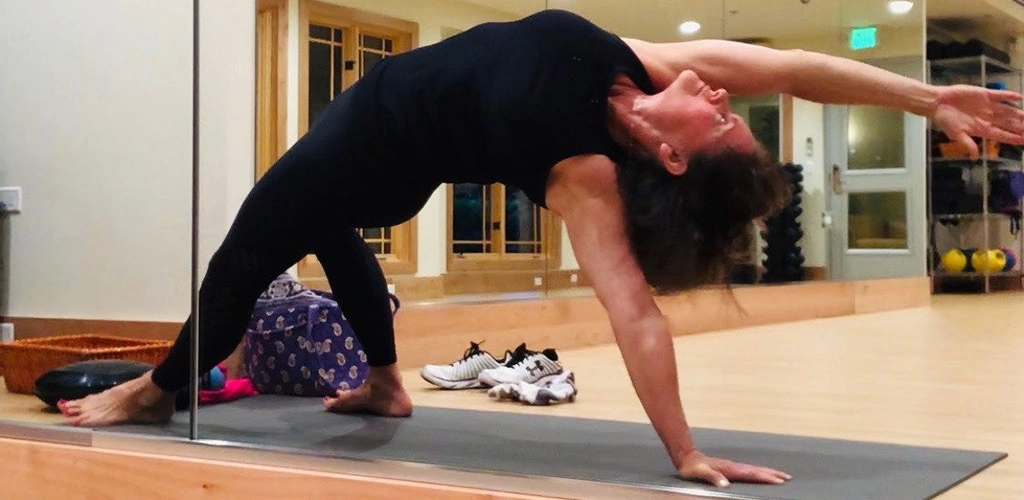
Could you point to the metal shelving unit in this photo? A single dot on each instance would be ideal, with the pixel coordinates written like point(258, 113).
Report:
point(980, 70)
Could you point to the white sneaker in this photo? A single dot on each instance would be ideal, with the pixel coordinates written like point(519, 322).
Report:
point(527, 366)
point(464, 373)
point(560, 389)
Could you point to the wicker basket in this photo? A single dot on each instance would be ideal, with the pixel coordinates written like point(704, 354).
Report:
point(24, 361)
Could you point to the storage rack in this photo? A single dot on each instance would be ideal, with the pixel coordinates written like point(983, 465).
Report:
point(976, 70)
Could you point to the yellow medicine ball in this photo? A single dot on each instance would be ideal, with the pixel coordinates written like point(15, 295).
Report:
point(989, 261)
point(954, 261)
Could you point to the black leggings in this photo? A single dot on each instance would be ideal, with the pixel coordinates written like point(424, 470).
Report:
point(289, 214)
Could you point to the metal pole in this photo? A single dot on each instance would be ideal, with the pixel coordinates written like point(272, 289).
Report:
point(194, 385)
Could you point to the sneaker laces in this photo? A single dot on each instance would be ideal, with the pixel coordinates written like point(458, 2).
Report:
point(474, 350)
point(518, 356)
point(525, 353)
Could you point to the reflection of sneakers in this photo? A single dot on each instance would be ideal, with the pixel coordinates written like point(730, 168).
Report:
point(527, 366)
point(559, 389)
point(464, 373)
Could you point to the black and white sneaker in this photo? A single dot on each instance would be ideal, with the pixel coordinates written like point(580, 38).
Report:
point(464, 373)
point(526, 366)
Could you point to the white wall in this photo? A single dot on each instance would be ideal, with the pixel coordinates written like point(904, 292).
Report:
point(96, 128)
point(809, 151)
point(227, 114)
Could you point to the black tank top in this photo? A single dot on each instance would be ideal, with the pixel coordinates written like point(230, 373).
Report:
point(502, 102)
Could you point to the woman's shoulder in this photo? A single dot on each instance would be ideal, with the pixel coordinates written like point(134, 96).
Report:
point(583, 177)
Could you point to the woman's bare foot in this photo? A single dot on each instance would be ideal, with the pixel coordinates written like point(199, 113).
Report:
point(135, 401)
point(381, 393)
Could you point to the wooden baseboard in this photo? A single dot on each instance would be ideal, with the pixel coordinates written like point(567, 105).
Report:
point(30, 328)
point(514, 281)
point(428, 333)
point(815, 273)
point(412, 288)
point(432, 334)
point(34, 470)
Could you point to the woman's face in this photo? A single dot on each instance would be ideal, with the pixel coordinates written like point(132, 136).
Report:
point(691, 117)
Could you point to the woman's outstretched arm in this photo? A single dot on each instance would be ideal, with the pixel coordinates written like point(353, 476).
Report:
point(583, 193)
point(746, 69)
point(962, 111)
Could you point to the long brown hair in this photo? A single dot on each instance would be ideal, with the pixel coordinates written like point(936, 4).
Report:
point(691, 230)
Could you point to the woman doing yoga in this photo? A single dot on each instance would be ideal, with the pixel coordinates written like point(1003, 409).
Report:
point(632, 144)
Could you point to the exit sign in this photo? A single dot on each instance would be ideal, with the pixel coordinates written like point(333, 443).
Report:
point(863, 38)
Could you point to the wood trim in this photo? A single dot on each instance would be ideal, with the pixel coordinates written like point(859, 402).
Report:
point(786, 153)
point(489, 262)
point(303, 85)
point(408, 288)
point(891, 294)
point(427, 334)
point(549, 258)
point(491, 281)
point(311, 268)
point(29, 470)
point(31, 328)
point(815, 273)
point(563, 279)
point(432, 331)
point(273, 112)
point(407, 31)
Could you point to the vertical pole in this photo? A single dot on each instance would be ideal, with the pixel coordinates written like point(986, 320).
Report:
point(194, 385)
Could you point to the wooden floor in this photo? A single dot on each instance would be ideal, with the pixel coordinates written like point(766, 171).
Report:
point(947, 375)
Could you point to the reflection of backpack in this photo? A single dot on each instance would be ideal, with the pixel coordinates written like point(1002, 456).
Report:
point(298, 343)
point(1005, 192)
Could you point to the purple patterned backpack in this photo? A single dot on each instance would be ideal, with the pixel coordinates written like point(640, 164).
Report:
point(298, 343)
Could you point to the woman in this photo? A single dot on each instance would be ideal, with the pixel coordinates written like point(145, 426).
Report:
point(632, 144)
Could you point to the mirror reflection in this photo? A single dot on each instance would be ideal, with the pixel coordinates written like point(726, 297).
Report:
point(861, 170)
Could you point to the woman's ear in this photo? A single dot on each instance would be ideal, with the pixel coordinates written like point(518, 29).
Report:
point(673, 160)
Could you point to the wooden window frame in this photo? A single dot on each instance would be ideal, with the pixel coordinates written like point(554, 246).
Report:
point(549, 258)
point(403, 257)
point(272, 88)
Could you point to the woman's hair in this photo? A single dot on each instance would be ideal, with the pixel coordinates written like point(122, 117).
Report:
point(691, 230)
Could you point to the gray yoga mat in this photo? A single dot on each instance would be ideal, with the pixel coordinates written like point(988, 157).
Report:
point(584, 449)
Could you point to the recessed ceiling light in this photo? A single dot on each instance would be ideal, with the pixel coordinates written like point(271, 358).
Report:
point(899, 7)
point(689, 27)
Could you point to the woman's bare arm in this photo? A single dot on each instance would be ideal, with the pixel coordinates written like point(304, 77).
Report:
point(585, 196)
point(746, 69)
point(596, 227)
point(962, 111)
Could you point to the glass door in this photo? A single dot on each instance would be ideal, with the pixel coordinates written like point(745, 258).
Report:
point(876, 175)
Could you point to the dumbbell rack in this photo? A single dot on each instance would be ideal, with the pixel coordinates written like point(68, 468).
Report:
point(783, 256)
point(977, 70)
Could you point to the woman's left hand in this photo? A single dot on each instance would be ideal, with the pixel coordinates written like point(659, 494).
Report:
point(967, 111)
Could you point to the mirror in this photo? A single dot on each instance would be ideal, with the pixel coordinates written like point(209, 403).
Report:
point(474, 242)
point(469, 242)
point(833, 146)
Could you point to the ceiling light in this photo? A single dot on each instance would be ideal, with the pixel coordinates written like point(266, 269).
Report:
point(899, 7)
point(689, 27)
